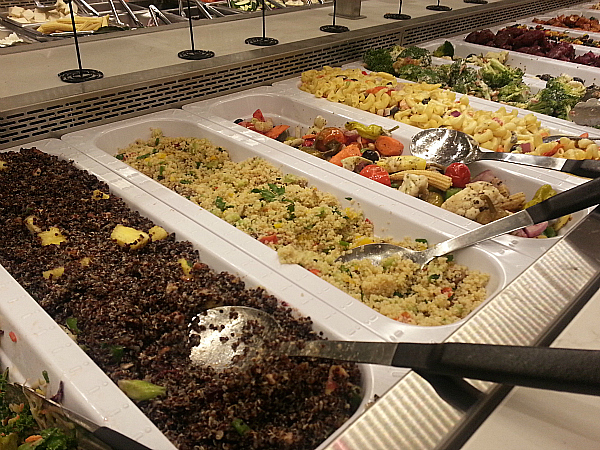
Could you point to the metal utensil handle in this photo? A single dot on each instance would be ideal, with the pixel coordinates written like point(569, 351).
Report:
point(544, 162)
point(131, 14)
point(559, 369)
point(496, 228)
point(116, 440)
point(572, 200)
point(115, 13)
point(89, 8)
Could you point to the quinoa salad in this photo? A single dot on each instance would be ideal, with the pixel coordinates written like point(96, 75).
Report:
point(310, 228)
point(126, 290)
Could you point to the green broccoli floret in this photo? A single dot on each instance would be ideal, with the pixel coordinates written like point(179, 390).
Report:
point(446, 49)
point(516, 94)
point(559, 96)
point(413, 72)
point(378, 60)
point(496, 75)
point(417, 53)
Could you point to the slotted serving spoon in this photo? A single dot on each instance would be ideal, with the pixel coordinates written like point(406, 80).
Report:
point(235, 336)
point(444, 146)
point(567, 202)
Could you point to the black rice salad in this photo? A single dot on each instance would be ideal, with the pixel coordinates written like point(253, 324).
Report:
point(126, 290)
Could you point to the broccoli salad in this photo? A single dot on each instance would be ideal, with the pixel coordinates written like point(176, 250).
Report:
point(481, 76)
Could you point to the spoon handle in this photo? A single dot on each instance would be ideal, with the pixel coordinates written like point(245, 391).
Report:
point(570, 201)
point(560, 369)
point(586, 168)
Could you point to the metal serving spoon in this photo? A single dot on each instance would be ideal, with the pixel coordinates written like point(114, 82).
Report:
point(220, 331)
point(567, 202)
point(445, 146)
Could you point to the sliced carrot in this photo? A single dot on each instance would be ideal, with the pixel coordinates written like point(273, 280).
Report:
point(584, 135)
point(276, 131)
point(317, 272)
point(309, 136)
point(346, 152)
point(33, 438)
point(13, 336)
point(500, 149)
point(388, 146)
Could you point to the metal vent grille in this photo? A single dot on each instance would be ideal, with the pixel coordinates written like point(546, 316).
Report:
point(52, 119)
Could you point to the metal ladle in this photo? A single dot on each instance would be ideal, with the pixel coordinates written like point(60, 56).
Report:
point(445, 146)
point(567, 202)
point(220, 331)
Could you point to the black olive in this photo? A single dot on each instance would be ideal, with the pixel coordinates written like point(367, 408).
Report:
point(371, 155)
point(545, 77)
point(238, 120)
point(425, 101)
point(394, 110)
point(579, 79)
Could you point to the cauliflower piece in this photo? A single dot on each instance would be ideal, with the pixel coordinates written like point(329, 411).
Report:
point(415, 185)
point(471, 201)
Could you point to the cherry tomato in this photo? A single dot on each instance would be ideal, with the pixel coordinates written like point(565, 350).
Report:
point(376, 173)
point(460, 174)
point(258, 115)
point(330, 138)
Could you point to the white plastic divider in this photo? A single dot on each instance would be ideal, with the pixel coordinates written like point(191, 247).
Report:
point(88, 389)
point(300, 110)
point(390, 218)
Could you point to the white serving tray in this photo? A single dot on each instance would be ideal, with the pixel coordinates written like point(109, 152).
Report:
point(292, 109)
point(43, 345)
point(391, 218)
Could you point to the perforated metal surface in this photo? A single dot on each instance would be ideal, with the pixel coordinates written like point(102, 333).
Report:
point(54, 118)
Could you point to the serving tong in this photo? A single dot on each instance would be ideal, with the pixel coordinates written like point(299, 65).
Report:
point(130, 13)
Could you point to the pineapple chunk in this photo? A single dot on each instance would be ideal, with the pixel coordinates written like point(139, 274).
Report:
point(31, 226)
point(99, 195)
point(85, 261)
point(51, 237)
point(157, 233)
point(185, 266)
point(129, 237)
point(53, 273)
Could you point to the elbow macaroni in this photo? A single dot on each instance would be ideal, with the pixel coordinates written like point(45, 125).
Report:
point(428, 106)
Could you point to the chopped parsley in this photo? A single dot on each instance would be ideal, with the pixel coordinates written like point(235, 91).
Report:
point(221, 204)
point(273, 193)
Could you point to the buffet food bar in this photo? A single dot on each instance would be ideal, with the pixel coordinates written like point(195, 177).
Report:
point(120, 234)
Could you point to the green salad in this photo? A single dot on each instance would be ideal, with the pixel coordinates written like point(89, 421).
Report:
point(19, 429)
